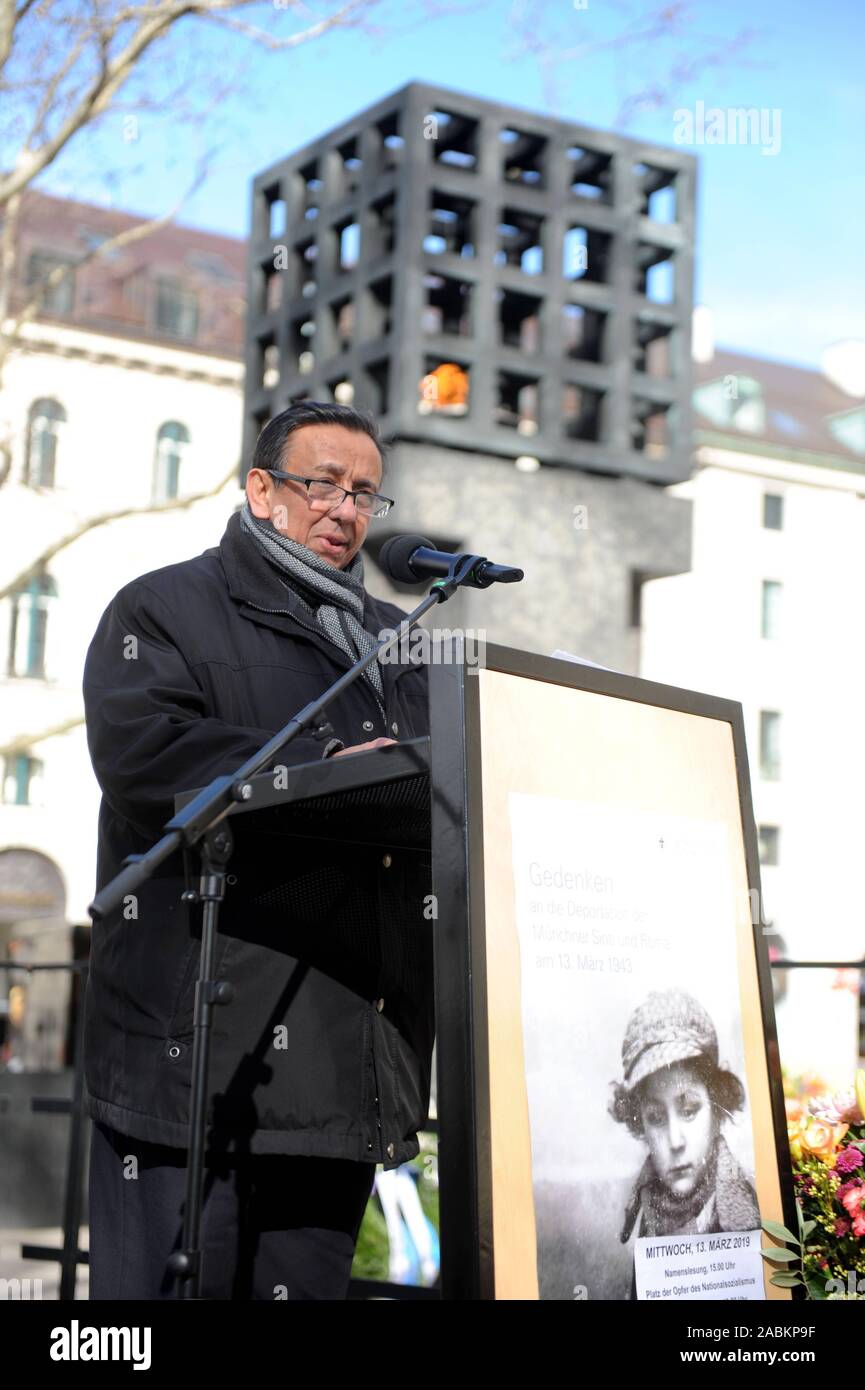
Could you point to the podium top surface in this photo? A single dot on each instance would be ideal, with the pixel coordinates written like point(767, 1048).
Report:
point(378, 796)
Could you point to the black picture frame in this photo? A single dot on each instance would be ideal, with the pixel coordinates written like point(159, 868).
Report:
point(465, 1157)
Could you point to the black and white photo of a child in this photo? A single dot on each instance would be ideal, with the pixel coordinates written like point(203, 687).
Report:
point(676, 1098)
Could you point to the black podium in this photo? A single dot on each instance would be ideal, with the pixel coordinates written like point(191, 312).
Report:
point(411, 797)
point(370, 808)
point(389, 788)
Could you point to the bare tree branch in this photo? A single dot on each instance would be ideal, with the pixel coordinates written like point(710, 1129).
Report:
point(112, 74)
point(276, 44)
point(51, 87)
point(78, 79)
point(10, 18)
point(8, 253)
point(55, 277)
point(23, 743)
point(649, 32)
point(176, 504)
point(7, 28)
point(657, 95)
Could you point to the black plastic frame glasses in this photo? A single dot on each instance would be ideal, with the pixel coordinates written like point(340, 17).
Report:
point(366, 503)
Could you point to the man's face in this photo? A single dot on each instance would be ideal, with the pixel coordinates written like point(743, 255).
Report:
point(346, 457)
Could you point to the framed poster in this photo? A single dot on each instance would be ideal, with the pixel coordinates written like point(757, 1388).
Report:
point(604, 996)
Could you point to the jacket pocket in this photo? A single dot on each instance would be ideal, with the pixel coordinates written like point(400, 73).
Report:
point(180, 1024)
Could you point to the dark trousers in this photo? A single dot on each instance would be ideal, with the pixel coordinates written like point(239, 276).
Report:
point(273, 1226)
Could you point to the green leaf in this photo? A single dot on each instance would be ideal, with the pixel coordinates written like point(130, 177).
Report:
point(784, 1257)
point(808, 1228)
point(816, 1290)
point(785, 1280)
point(780, 1232)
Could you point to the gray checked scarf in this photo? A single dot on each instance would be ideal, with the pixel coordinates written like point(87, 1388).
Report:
point(334, 597)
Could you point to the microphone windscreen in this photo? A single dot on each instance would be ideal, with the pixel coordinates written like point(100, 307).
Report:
point(394, 556)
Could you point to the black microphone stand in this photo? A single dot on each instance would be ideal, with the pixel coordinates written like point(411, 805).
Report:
point(199, 825)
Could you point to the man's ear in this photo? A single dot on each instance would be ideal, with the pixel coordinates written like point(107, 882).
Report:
point(257, 493)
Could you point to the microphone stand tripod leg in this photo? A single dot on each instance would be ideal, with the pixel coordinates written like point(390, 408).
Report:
point(215, 850)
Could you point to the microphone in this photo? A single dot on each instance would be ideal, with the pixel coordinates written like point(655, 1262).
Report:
point(412, 559)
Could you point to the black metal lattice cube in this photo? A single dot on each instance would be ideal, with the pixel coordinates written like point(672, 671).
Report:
point(540, 270)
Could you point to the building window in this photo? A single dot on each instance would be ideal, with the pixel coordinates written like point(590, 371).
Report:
point(28, 626)
point(22, 780)
point(849, 429)
point(770, 745)
point(44, 420)
point(171, 442)
point(214, 267)
point(176, 309)
point(733, 400)
point(773, 511)
point(770, 616)
point(768, 837)
point(747, 407)
point(60, 298)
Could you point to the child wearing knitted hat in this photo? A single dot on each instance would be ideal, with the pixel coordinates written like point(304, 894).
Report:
point(675, 1097)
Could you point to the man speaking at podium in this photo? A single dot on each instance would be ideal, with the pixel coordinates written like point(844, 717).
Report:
point(320, 1067)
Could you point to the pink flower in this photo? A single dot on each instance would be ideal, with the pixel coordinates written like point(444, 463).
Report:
point(840, 1109)
point(842, 1226)
point(848, 1160)
point(859, 1225)
point(852, 1201)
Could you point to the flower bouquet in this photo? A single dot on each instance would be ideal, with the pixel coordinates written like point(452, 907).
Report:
point(827, 1145)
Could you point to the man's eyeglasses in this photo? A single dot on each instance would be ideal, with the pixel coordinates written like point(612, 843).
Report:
point(320, 490)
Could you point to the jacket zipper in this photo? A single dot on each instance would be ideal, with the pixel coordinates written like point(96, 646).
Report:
point(287, 613)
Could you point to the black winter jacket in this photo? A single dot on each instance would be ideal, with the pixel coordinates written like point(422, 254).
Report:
point(326, 1048)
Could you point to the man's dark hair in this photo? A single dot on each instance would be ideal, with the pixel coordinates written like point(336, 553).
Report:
point(270, 445)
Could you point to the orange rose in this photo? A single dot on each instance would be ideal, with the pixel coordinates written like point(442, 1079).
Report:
point(795, 1110)
point(820, 1140)
point(795, 1124)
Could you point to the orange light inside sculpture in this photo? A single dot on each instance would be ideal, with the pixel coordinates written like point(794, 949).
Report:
point(447, 385)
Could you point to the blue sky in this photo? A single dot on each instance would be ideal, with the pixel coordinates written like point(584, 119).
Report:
point(780, 237)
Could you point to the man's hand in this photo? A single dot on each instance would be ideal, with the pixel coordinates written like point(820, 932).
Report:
point(362, 747)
